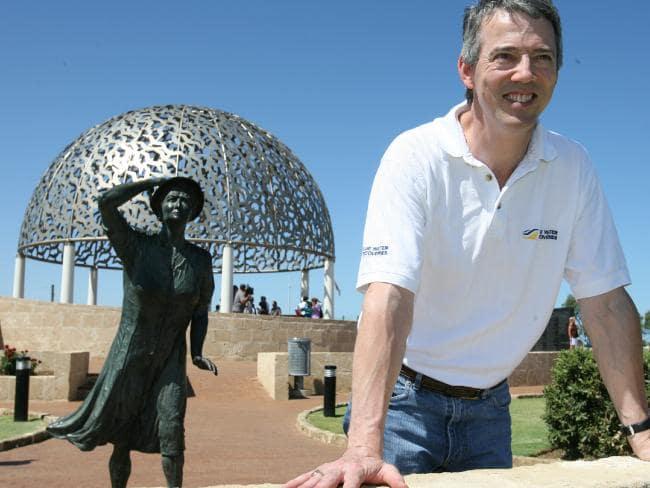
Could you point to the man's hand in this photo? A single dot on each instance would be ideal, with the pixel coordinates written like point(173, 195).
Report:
point(352, 469)
point(204, 363)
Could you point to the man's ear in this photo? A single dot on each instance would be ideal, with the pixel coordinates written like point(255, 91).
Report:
point(466, 73)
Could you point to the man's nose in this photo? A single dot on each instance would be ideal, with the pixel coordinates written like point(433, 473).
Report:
point(523, 71)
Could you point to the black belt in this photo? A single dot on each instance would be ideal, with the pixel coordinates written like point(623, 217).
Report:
point(464, 392)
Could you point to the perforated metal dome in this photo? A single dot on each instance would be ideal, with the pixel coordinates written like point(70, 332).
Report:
point(258, 196)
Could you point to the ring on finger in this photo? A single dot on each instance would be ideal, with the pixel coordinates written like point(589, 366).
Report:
point(317, 472)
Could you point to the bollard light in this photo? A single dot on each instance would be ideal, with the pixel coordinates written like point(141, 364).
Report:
point(329, 391)
point(21, 401)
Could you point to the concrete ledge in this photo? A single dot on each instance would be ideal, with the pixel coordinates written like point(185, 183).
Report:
point(613, 472)
point(69, 371)
point(273, 372)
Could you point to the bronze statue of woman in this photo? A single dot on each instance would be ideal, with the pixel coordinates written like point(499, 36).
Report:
point(138, 402)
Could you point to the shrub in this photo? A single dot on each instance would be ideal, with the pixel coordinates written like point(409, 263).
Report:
point(580, 416)
point(9, 358)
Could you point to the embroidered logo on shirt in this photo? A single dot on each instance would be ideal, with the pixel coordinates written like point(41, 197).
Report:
point(374, 251)
point(540, 234)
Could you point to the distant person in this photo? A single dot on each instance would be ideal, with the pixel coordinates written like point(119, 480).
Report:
point(316, 309)
point(249, 300)
point(572, 332)
point(304, 308)
point(239, 300)
point(276, 311)
point(263, 306)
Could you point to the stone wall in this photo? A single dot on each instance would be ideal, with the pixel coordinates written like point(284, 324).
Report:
point(47, 326)
point(243, 336)
point(535, 369)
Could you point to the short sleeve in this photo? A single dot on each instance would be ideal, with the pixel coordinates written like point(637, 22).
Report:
point(595, 262)
point(395, 221)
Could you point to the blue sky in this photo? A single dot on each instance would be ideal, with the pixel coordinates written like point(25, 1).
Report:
point(335, 81)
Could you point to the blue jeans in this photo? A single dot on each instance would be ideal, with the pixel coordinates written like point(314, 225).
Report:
point(428, 432)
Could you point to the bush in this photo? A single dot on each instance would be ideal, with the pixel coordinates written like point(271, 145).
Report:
point(580, 416)
point(8, 361)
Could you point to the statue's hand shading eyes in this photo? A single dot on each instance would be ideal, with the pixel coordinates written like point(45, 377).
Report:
point(204, 363)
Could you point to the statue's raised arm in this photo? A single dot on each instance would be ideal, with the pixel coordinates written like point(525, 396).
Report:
point(110, 200)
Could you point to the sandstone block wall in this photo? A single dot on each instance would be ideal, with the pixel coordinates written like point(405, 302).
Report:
point(535, 369)
point(47, 326)
point(243, 336)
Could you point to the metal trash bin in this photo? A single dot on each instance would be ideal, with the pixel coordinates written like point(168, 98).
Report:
point(299, 356)
point(299, 364)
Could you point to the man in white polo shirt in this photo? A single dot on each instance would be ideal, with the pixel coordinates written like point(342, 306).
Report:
point(473, 221)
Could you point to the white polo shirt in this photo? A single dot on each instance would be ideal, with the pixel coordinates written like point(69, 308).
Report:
point(485, 263)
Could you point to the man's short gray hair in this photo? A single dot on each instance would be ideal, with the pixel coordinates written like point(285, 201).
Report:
point(476, 15)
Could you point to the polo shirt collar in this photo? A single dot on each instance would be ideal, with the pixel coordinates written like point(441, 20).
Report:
point(453, 141)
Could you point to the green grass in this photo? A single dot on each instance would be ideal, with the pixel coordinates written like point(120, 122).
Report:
point(332, 424)
point(528, 429)
point(529, 434)
point(9, 428)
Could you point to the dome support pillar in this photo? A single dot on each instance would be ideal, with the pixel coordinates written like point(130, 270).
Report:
point(92, 286)
point(19, 276)
point(304, 283)
point(67, 274)
point(328, 296)
point(226, 280)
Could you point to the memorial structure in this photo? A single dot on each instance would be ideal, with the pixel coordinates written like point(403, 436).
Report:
point(263, 210)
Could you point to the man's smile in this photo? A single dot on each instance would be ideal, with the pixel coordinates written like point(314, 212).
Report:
point(519, 97)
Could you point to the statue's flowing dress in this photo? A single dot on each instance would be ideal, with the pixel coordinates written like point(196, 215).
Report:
point(140, 394)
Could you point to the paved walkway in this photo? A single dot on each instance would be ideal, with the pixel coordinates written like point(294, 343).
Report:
point(235, 434)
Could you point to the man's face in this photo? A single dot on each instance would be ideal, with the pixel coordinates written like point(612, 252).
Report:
point(516, 72)
point(177, 205)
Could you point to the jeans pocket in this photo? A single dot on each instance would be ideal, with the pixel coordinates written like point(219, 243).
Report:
point(500, 397)
point(401, 390)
